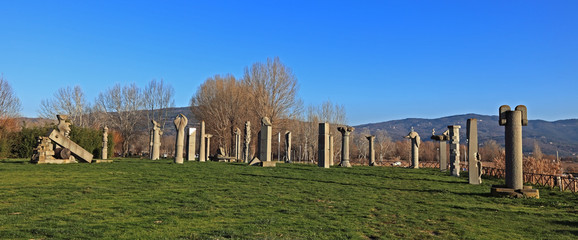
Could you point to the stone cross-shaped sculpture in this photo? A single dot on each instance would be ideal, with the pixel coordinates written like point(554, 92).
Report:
point(180, 124)
point(104, 142)
point(415, 142)
point(345, 132)
point(514, 120)
point(443, 138)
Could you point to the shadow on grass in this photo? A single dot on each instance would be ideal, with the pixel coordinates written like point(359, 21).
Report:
point(15, 161)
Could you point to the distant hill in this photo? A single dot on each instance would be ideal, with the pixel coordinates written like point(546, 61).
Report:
point(562, 134)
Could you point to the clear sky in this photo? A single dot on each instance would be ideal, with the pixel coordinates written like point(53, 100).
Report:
point(382, 60)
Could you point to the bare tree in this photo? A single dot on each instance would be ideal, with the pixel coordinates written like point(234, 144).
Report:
point(67, 100)
point(384, 146)
point(120, 105)
point(158, 98)
point(9, 102)
point(490, 150)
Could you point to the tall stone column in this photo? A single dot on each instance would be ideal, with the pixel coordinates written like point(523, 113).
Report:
point(455, 149)
point(474, 163)
point(202, 144)
point(323, 145)
point(180, 124)
point(104, 143)
point(265, 143)
point(443, 157)
point(237, 144)
point(247, 141)
point(208, 150)
point(331, 157)
point(288, 147)
point(415, 142)
point(191, 145)
point(514, 120)
point(156, 141)
point(371, 150)
point(345, 132)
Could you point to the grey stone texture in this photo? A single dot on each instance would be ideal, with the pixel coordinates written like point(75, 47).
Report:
point(191, 144)
point(237, 144)
point(288, 147)
point(202, 143)
point(415, 142)
point(104, 154)
point(331, 150)
point(156, 136)
point(455, 150)
point(513, 122)
point(323, 146)
point(443, 155)
point(247, 142)
point(265, 140)
point(474, 161)
point(371, 140)
point(345, 133)
point(180, 123)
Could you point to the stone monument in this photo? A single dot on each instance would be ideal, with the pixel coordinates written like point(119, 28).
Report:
point(202, 144)
point(157, 133)
point(455, 150)
point(208, 146)
point(265, 143)
point(513, 122)
point(331, 157)
point(474, 161)
point(415, 142)
point(371, 150)
point(323, 145)
point(288, 147)
point(247, 142)
point(345, 132)
point(191, 144)
point(58, 148)
point(237, 144)
point(104, 143)
point(180, 124)
point(443, 157)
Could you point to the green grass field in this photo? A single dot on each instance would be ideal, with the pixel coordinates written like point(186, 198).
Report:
point(143, 199)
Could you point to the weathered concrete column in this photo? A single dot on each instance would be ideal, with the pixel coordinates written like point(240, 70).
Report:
point(104, 143)
point(474, 161)
point(371, 150)
point(331, 157)
point(415, 142)
point(455, 150)
point(237, 144)
point(514, 120)
point(323, 145)
point(247, 141)
point(202, 144)
point(180, 124)
point(288, 147)
point(443, 157)
point(265, 140)
point(156, 141)
point(208, 150)
point(191, 145)
point(345, 132)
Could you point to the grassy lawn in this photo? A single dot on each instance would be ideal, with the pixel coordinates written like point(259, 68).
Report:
point(143, 199)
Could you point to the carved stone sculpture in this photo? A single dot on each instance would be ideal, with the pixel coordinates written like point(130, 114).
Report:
point(455, 150)
point(104, 143)
point(443, 157)
point(323, 145)
point(345, 132)
point(237, 144)
point(202, 144)
point(180, 124)
point(514, 120)
point(157, 133)
point(474, 161)
point(288, 147)
point(247, 142)
point(208, 146)
point(191, 145)
point(58, 148)
point(415, 142)
point(265, 143)
point(63, 125)
point(371, 150)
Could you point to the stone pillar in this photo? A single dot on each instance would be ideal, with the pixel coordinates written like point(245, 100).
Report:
point(247, 142)
point(331, 157)
point(323, 145)
point(288, 147)
point(208, 149)
point(156, 141)
point(180, 124)
point(443, 158)
point(474, 163)
point(191, 145)
point(202, 144)
point(237, 144)
point(415, 142)
point(371, 150)
point(104, 143)
point(265, 140)
point(455, 150)
point(345, 132)
point(514, 120)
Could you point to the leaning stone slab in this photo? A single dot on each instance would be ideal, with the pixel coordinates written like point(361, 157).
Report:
point(255, 162)
point(74, 148)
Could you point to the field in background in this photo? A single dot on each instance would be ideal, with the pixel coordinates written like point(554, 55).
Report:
point(143, 199)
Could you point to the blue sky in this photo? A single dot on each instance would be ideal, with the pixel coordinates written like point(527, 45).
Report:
point(382, 60)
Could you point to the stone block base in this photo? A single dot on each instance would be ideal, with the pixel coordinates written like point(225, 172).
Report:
point(527, 192)
point(269, 164)
point(101, 161)
point(56, 161)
